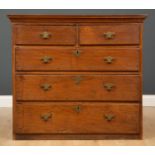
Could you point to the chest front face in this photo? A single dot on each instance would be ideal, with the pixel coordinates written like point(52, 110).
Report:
point(77, 77)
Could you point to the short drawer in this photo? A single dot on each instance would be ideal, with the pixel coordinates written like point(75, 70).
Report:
point(110, 34)
point(70, 59)
point(78, 117)
point(73, 87)
point(45, 35)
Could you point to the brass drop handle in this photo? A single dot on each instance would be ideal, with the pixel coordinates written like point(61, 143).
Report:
point(46, 59)
point(45, 35)
point(46, 117)
point(77, 108)
point(109, 35)
point(46, 86)
point(109, 117)
point(109, 86)
point(109, 59)
point(77, 53)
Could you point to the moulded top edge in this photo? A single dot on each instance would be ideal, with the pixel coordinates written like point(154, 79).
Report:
point(41, 17)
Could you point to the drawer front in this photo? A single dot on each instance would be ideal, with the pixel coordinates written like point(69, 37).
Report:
point(83, 59)
point(78, 87)
point(78, 117)
point(110, 34)
point(45, 35)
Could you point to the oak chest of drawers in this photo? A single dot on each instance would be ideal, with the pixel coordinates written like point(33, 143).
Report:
point(77, 77)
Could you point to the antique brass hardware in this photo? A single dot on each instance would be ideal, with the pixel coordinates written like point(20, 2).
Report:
point(109, 35)
point(77, 53)
point(77, 80)
point(46, 59)
point(46, 116)
point(109, 86)
point(109, 59)
point(46, 86)
point(45, 35)
point(77, 108)
point(109, 117)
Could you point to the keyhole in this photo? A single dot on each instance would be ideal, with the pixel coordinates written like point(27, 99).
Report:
point(77, 53)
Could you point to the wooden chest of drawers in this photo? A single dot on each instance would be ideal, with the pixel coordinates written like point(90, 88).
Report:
point(77, 77)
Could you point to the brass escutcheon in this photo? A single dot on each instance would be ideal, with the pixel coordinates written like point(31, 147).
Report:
point(77, 53)
point(77, 80)
point(77, 108)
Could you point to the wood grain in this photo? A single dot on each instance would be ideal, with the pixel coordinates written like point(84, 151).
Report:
point(62, 35)
point(68, 88)
point(90, 119)
point(123, 34)
point(67, 59)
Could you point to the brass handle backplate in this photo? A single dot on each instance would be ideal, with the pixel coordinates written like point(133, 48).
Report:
point(109, 35)
point(77, 108)
point(45, 35)
point(77, 53)
point(46, 59)
point(46, 86)
point(109, 117)
point(109, 86)
point(46, 116)
point(109, 59)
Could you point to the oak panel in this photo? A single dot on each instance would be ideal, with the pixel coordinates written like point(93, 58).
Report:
point(58, 35)
point(65, 119)
point(81, 59)
point(78, 87)
point(121, 34)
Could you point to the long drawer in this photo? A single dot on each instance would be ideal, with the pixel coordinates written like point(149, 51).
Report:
point(73, 87)
point(70, 59)
point(45, 35)
point(118, 34)
point(78, 117)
